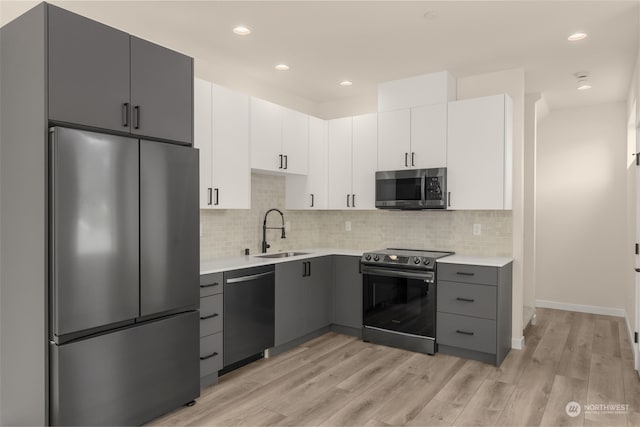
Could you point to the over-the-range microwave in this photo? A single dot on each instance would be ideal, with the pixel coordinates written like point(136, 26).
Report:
point(412, 189)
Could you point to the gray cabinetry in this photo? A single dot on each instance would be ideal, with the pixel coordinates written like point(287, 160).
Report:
point(474, 311)
point(88, 72)
point(303, 298)
point(211, 327)
point(347, 293)
point(161, 92)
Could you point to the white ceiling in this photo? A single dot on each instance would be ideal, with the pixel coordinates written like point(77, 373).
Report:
point(371, 42)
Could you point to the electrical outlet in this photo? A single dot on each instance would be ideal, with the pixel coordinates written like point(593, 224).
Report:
point(477, 229)
point(287, 226)
point(347, 225)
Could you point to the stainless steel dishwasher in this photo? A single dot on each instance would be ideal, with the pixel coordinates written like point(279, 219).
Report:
point(249, 314)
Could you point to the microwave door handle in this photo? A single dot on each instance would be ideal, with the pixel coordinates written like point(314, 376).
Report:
point(423, 189)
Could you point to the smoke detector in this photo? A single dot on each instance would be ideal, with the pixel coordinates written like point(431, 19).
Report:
point(582, 78)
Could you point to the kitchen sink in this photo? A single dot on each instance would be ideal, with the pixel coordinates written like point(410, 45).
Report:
point(282, 255)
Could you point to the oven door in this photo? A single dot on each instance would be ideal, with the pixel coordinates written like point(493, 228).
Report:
point(401, 189)
point(399, 300)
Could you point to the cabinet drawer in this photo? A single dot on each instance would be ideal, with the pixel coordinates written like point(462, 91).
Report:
point(211, 314)
point(466, 332)
point(468, 273)
point(210, 284)
point(467, 299)
point(210, 354)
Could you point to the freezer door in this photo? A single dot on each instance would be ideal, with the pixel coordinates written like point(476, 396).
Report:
point(94, 230)
point(127, 377)
point(169, 225)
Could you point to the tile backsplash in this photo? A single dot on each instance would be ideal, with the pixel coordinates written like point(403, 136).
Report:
point(229, 232)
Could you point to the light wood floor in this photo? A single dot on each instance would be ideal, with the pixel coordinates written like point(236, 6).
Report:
point(336, 380)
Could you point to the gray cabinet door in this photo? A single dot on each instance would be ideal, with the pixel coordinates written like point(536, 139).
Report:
point(94, 233)
point(319, 293)
point(88, 72)
point(161, 92)
point(169, 217)
point(290, 292)
point(347, 291)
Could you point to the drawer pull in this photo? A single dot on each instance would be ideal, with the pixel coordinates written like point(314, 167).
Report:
point(209, 316)
point(215, 353)
point(210, 285)
point(464, 273)
point(458, 331)
point(465, 299)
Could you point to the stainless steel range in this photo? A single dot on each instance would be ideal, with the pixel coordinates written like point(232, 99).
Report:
point(399, 298)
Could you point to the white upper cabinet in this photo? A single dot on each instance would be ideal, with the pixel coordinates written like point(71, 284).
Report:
point(428, 137)
point(279, 138)
point(394, 139)
point(413, 138)
point(311, 191)
point(231, 168)
point(221, 130)
point(352, 162)
point(479, 153)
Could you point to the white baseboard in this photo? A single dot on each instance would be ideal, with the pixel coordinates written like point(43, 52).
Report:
point(634, 347)
point(517, 343)
point(593, 309)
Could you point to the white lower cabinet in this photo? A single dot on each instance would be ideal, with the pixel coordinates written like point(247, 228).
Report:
point(222, 135)
point(311, 191)
point(479, 153)
point(353, 145)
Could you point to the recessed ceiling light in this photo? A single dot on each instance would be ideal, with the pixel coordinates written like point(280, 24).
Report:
point(577, 36)
point(282, 67)
point(346, 83)
point(241, 30)
point(584, 86)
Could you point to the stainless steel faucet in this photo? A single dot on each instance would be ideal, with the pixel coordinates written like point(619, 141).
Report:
point(265, 245)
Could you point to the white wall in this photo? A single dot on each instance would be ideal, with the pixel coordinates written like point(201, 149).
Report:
point(581, 198)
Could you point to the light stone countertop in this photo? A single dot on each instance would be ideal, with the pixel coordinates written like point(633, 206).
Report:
point(217, 265)
point(488, 261)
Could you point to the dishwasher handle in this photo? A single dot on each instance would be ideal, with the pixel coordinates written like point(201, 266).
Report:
point(248, 278)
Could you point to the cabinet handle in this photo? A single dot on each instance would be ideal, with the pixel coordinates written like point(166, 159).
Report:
point(406, 161)
point(136, 116)
point(449, 198)
point(464, 273)
point(413, 158)
point(217, 202)
point(280, 161)
point(215, 353)
point(312, 201)
point(286, 161)
point(458, 331)
point(209, 285)
point(209, 316)
point(209, 196)
point(304, 269)
point(125, 114)
point(348, 195)
point(308, 268)
point(465, 299)
point(353, 200)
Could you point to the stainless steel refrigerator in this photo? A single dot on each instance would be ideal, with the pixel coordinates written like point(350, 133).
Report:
point(124, 274)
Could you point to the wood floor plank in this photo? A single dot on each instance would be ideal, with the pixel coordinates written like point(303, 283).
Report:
point(576, 358)
point(465, 382)
point(486, 404)
point(631, 385)
point(606, 338)
point(366, 378)
point(516, 362)
point(261, 417)
point(437, 413)
point(563, 391)
point(625, 344)
point(327, 404)
point(605, 386)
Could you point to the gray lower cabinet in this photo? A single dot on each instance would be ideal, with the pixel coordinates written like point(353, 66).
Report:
point(303, 298)
point(211, 327)
point(347, 292)
point(474, 311)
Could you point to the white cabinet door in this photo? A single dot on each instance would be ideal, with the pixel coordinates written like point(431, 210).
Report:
point(428, 137)
point(231, 168)
point(202, 138)
point(266, 135)
point(311, 191)
point(394, 137)
point(295, 141)
point(340, 134)
point(476, 153)
point(365, 141)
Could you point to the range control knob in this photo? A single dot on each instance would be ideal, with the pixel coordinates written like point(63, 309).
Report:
point(416, 261)
point(376, 258)
point(367, 257)
point(426, 261)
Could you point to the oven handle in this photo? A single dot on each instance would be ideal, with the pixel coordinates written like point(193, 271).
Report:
point(394, 273)
point(423, 189)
